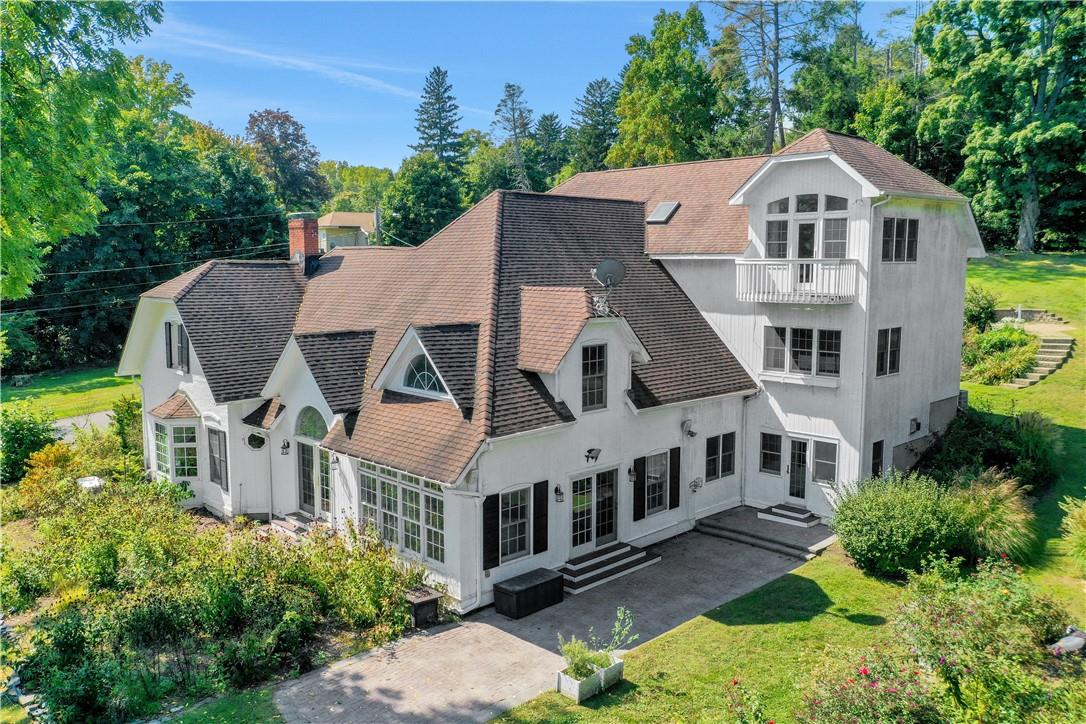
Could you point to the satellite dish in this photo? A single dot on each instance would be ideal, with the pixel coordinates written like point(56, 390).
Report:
point(609, 273)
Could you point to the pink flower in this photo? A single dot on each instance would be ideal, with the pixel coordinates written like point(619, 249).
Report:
point(735, 682)
point(864, 671)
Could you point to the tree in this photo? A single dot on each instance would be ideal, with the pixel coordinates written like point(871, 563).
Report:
point(288, 159)
point(666, 101)
point(513, 118)
point(62, 85)
point(1017, 72)
point(437, 119)
point(595, 125)
point(354, 188)
point(737, 128)
point(422, 199)
point(553, 148)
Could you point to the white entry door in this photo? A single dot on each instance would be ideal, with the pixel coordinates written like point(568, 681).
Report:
point(798, 471)
point(593, 519)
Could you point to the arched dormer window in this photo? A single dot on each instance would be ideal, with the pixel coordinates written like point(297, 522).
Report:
point(421, 375)
point(310, 424)
point(780, 206)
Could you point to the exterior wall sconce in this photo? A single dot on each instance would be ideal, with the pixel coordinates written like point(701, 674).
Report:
point(914, 425)
point(695, 485)
point(335, 461)
point(592, 454)
point(284, 449)
point(631, 475)
point(559, 496)
point(688, 428)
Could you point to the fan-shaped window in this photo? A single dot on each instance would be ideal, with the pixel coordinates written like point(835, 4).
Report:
point(780, 206)
point(310, 424)
point(421, 375)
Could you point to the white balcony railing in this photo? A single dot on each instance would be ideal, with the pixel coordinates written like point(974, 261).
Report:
point(796, 281)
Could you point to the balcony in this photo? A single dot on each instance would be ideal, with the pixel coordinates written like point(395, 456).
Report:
point(796, 281)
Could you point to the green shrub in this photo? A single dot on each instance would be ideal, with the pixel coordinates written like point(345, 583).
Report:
point(878, 688)
point(890, 525)
point(24, 429)
point(126, 420)
point(745, 705)
point(581, 660)
point(23, 578)
point(997, 516)
point(998, 355)
point(1074, 530)
point(980, 307)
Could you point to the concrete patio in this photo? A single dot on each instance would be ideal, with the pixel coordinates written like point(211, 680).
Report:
point(742, 525)
point(473, 670)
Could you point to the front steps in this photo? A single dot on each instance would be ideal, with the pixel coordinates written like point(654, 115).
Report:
point(790, 515)
point(604, 564)
point(1052, 355)
point(764, 529)
point(293, 525)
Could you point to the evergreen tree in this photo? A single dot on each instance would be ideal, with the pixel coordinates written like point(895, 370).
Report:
point(437, 120)
point(422, 198)
point(737, 125)
point(552, 145)
point(513, 118)
point(288, 159)
point(595, 125)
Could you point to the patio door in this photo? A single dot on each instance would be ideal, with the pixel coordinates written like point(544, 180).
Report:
point(797, 471)
point(593, 521)
point(307, 494)
point(805, 249)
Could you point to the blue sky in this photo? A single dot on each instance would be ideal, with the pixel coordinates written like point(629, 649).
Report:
point(351, 72)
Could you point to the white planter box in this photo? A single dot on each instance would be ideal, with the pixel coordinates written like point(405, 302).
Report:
point(612, 674)
point(579, 690)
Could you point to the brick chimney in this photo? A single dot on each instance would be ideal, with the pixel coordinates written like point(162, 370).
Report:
point(304, 241)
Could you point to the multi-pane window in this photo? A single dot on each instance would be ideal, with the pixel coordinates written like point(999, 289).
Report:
point(184, 452)
point(216, 458)
point(324, 480)
point(834, 238)
point(776, 353)
point(876, 458)
point(836, 203)
point(829, 352)
point(421, 375)
point(390, 507)
point(593, 377)
point(408, 510)
point(719, 456)
point(412, 520)
point(177, 346)
point(899, 239)
point(581, 521)
point(807, 203)
point(435, 528)
point(656, 479)
point(888, 352)
point(368, 497)
point(776, 239)
point(769, 458)
point(825, 461)
point(780, 206)
point(801, 349)
point(162, 449)
point(515, 510)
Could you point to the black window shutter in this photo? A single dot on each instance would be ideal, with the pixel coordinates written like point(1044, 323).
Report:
point(539, 517)
point(673, 479)
point(183, 344)
point(491, 532)
point(169, 344)
point(639, 489)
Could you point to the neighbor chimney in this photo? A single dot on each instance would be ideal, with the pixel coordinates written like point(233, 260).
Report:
point(304, 241)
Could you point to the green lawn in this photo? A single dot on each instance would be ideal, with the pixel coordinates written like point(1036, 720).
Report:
point(772, 637)
point(247, 706)
point(74, 392)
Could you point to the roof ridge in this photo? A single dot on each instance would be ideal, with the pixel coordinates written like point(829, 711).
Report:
point(663, 165)
point(201, 272)
point(551, 195)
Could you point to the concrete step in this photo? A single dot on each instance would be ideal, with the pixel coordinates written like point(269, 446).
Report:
point(1053, 358)
point(1058, 340)
point(602, 565)
point(723, 530)
point(1037, 376)
point(756, 541)
point(590, 559)
point(644, 560)
point(801, 522)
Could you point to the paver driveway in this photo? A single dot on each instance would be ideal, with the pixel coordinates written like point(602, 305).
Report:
point(474, 670)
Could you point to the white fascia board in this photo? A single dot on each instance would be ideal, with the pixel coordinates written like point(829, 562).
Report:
point(382, 381)
point(139, 335)
point(694, 257)
point(867, 188)
point(271, 386)
point(681, 403)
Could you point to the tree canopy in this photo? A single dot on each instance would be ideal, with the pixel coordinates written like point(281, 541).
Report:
point(288, 159)
point(421, 200)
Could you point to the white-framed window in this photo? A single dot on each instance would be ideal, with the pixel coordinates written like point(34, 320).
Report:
point(825, 461)
point(888, 352)
point(780, 206)
point(411, 507)
point(769, 457)
point(421, 375)
point(876, 458)
point(834, 237)
point(409, 511)
point(795, 350)
point(719, 456)
point(256, 441)
point(324, 479)
point(177, 346)
point(184, 452)
point(368, 495)
point(776, 239)
point(836, 203)
point(899, 239)
point(800, 349)
point(656, 482)
point(434, 519)
point(390, 512)
point(515, 510)
point(162, 449)
point(776, 348)
point(593, 377)
point(829, 352)
point(807, 203)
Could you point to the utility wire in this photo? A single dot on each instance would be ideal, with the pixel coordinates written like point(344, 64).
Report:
point(254, 249)
point(191, 221)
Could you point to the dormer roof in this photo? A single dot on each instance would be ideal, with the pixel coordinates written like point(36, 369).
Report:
point(178, 406)
point(551, 318)
point(338, 361)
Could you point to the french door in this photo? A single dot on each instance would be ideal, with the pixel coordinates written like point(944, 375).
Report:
point(797, 471)
point(314, 480)
point(805, 249)
point(593, 515)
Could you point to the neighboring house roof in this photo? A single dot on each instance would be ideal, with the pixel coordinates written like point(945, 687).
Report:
point(238, 315)
point(551, 318)
point(354, 219)
point(452, 348)
point(884, 170)
point(704, 222)
point(178, 406)
point(338, 363)
point(265, 415)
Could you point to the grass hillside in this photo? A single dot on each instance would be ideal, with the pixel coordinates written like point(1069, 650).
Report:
point(74, 392)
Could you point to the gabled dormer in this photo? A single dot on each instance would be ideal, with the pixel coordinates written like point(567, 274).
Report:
point(436, 362)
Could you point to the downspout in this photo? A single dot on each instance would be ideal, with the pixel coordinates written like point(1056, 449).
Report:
point(867, 328)
point(743, 469)
point(271, 483)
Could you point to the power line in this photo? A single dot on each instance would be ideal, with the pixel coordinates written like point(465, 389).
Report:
point(255, 249)
point(75, 306)
point(190, 221)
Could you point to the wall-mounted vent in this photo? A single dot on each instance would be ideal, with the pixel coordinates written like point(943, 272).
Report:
point(663, 212)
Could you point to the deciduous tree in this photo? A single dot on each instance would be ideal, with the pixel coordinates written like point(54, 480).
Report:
point(422, 199)
point(288, 159)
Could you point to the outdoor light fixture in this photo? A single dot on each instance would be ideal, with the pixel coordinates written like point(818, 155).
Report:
point(559, 496)
point(284, 449)
point(688, 428)
point(592, 454)
point(695, 485)
point(335, 462)
point(631, 475)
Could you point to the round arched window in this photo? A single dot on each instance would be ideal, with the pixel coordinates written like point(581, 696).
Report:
point(310, 424)
point(421, 375)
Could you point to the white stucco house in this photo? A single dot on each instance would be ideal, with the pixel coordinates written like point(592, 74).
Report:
point(784, 322)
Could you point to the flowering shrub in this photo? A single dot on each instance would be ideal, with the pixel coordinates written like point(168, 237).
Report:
point(877, 689)
point(745, 704)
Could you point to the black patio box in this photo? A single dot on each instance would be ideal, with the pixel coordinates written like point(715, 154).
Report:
point(424, 606)
point(528, 593)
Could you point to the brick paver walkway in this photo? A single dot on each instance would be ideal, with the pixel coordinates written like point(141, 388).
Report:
point(474, 670)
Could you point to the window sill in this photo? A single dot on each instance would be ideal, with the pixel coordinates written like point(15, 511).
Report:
point(790, 378)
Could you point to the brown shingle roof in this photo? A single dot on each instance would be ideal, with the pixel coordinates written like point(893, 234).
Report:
point(704, 222)
point(178, 406)
point(176, 287)
point(452, 348)
point(265, 415)
point(550, 320)
point(884, 170)
point(338, 363)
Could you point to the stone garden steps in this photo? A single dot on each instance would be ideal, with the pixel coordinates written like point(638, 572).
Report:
point(1053, 354)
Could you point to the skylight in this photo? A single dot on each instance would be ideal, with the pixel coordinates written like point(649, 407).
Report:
point(663, 212)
